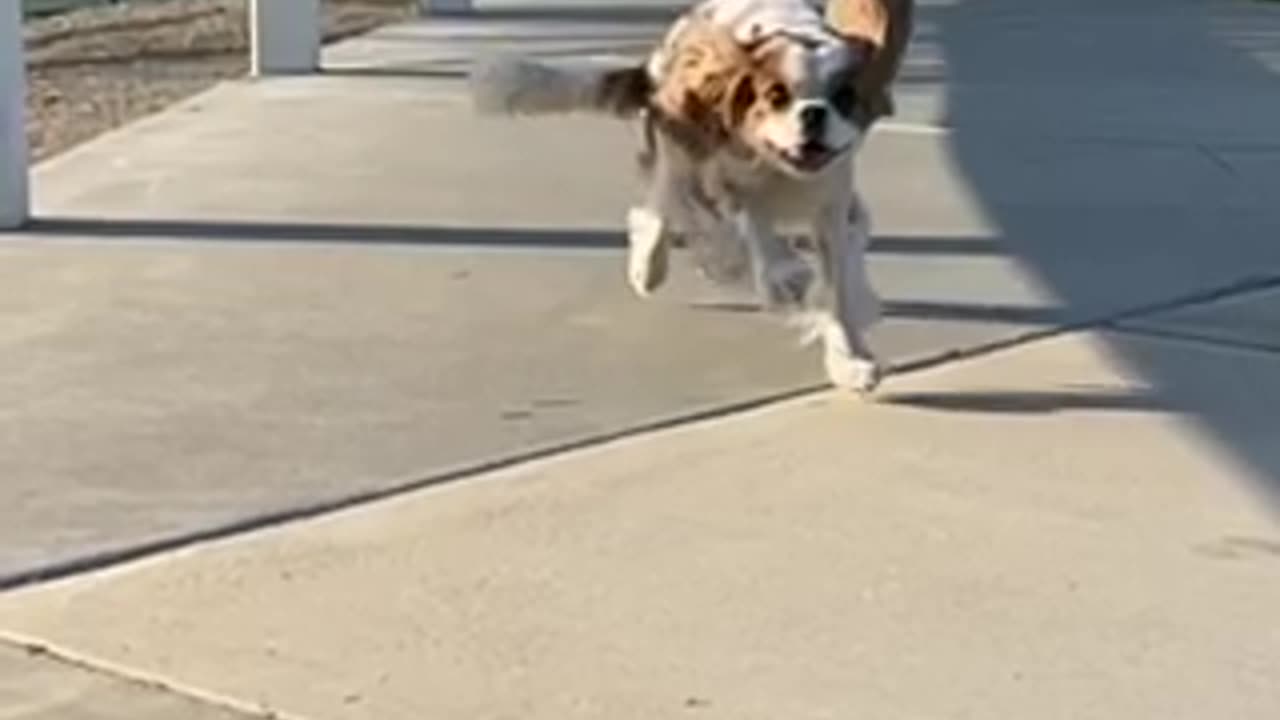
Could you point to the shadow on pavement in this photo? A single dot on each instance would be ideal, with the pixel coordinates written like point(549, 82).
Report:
point(249, 231)
point(291, 232)
point(1029, 403)
point(1046, 69)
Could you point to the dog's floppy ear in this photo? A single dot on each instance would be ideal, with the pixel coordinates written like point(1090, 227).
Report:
point(740, 94)
point(706, 83)
point(881, 29)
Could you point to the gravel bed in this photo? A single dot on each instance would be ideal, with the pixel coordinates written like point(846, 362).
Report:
point(95, 69)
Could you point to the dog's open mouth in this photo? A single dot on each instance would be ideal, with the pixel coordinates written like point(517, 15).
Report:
point(808, 158)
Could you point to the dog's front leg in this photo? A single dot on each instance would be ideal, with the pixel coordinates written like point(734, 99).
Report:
point(648, 243)
point(850, 305)
point(678, 204)
point(649, 230)
point(675, 206)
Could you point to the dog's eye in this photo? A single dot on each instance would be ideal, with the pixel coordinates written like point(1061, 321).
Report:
point(844, 99)
point(777, 96)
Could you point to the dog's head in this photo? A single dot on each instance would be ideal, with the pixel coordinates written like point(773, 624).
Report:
point(797, 103)
point(790, 99)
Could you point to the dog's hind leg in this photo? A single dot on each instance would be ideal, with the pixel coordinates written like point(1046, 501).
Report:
point(783, 279)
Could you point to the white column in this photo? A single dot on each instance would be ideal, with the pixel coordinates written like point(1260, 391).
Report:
point(446, 7)
point(286, 36)
point(15, 200)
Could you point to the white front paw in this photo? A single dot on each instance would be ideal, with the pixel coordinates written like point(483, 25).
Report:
point(849, 372)
point(647, 251)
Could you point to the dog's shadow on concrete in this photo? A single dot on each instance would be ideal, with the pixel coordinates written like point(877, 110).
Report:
point(1028, 402)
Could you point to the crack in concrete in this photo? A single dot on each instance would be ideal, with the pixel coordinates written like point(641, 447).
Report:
point(1240, 288)
point(1188, 337)
point(139, 680)
point(1218, 161)
point(119, 555)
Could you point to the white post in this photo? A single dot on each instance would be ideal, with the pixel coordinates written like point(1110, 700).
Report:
point(446, 7)
point(286, 36)
point(15, 200)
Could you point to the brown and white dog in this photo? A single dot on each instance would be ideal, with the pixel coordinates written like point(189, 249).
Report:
point(753, 112)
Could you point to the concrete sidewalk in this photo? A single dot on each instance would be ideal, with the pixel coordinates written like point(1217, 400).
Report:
point(1036, 534)
point(285, 297)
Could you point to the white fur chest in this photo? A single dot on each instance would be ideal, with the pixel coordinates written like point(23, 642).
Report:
point(787, 200)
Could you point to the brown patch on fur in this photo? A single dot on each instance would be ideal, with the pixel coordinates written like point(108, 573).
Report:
point(711, 86)
point(771, 91)
point(884, 27)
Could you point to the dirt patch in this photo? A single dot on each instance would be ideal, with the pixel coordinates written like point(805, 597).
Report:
point(95, 69)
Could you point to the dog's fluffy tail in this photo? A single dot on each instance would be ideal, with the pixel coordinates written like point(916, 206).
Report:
point(517, 86)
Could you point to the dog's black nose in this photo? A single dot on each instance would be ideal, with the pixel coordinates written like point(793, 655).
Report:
point(813, 119)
